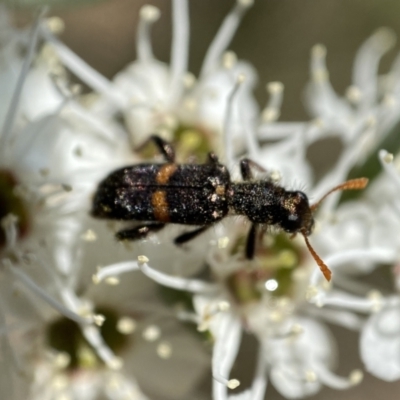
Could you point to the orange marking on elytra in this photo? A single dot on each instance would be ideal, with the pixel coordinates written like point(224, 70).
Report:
point(164, 173)
point(160, 206)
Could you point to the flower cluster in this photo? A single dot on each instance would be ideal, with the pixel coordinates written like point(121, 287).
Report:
point(85, 317)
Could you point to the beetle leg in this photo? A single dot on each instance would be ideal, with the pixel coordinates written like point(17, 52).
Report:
point(212, 158)
point(138, 232)
point(246, 166)
point(187, 236)
point(165, 148)
point(251, 242)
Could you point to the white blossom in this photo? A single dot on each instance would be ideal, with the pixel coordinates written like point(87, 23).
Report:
point(65, 268)
point(158, 98)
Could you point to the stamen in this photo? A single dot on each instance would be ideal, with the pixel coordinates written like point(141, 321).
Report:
point(81, 112)
point(114, 270)
point(8, 351)
point(273, 109)
point(189, 80)
point(321, 97)
point(11, 114)
point(346, 319)
point(189, 317)
point(322, 266)
point(354, 94)
point(228, 154)
point(10, 228)
point(281, 130)
point(346, 301)
point(352, 184)
point(225, 351)
point(229, 59)
point(386, 160)
point(84, 71)
point(190, 285)
point(62, 360)
point(56, 25)
point(260, 381)
point(164, 350)
point(224, 36)
point(372, 255)
point(151, 333)
point(334, 381)
point(180, 46)
point(210, 312)
point(94, 338)
point(319, 72)
point(229, 383)
point(126, 325)
point(33, 287)
point(366, 64)
point(345, 163)
point(148, 15)
point(89, 236)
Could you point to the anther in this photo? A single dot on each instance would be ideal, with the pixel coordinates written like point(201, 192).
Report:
point(56, 25)
point(143, 259)
point(149, 13)
point(229, 59)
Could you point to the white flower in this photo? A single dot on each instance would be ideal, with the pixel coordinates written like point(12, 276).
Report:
point(380, 336)
point(43, 192)
point(280, 297)
point(369, 101)
point(296, 351)
point(166, 99)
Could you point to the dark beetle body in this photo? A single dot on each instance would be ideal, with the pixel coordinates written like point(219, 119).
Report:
point(198, 195)
point(188, 194)
point(201, 195)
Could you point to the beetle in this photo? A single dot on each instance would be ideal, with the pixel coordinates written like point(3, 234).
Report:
point(201, 195)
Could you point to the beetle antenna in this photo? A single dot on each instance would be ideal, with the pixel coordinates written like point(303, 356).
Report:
point(322, 266)
point(352, 184)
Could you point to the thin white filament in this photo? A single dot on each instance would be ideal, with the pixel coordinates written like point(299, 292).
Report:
point(115, 270)
point(273, 108)
point(180, 46)
point(228, 153)
point(94, 338)
point(7, 349)
point(372, 255)
point(260, 381)
point(84, 71)
point(10, 228)
point(389, 167)
point(190, 285)
point(338, 174)
point(225, 351)
point(279, 130)
point(342, 318)
point(33, 287)
point(342, 300)
point(332, 380)
point(252, 144)
point(13, 108)
point(85, 116)
point(224, 37)
point(321, 87)
point(366, 64)
point(148, 15)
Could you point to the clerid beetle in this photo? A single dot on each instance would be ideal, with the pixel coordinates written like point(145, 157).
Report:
point(201, 195)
